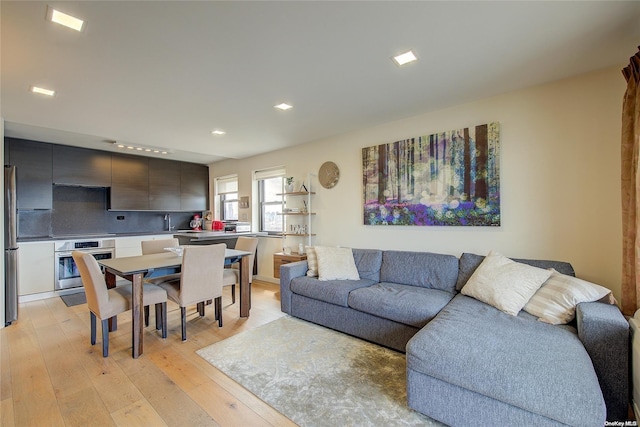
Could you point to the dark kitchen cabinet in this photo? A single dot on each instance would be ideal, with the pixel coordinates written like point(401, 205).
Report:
point(129, 183)
point(164, 185)
point(194, 186)
point(81, 166)
point(33, 161)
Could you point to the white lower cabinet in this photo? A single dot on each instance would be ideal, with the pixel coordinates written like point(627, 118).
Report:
point(36, 262)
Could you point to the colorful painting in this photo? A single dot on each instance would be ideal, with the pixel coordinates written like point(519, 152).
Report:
point(449, 178)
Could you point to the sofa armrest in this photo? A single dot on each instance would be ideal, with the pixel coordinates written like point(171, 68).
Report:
point(289, 272)
point(605, 334)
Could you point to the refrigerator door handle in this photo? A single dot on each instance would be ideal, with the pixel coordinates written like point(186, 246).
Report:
point(11, 286)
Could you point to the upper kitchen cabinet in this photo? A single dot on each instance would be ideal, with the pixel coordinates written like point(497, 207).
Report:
point(129, 183)
point(33, 161)
point(81, 166)
point(164, 185)
point(194, 185)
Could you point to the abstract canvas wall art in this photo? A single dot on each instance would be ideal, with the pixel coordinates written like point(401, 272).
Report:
point(450, 178)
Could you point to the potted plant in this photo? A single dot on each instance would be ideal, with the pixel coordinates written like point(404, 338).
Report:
point(289, 184)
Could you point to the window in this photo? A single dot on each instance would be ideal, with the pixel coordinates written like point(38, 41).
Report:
point(227, 191)
point(229, 207)
point(270, 187)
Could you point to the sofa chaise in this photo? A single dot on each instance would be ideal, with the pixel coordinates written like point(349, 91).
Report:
point(469, 363)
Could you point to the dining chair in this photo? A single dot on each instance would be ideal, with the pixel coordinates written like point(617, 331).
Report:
point(231, 275)
point(200, 281)
point(157, 246)
point(106, 303)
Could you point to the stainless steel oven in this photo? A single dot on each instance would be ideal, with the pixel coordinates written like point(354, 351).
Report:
point(66, 271)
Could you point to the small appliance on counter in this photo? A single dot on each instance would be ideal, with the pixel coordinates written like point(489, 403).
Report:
point(196, 223)
point(243, 227)
point(218, 225)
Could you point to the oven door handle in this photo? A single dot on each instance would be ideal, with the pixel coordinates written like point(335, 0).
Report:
point(85, 251)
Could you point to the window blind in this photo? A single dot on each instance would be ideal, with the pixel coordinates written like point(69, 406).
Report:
point(227, 184)
point(269, 173)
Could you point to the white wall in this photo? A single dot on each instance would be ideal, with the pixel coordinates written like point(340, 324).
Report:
point(560, 179)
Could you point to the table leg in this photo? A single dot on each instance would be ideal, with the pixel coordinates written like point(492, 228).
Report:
point(137, 315)
point(245, 290)
point(110, 280)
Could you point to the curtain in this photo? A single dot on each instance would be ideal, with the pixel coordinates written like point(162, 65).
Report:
point(631, 188)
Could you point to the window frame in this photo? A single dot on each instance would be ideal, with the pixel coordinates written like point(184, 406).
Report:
point(260, 178)
point(223, 205)
point(227, 186)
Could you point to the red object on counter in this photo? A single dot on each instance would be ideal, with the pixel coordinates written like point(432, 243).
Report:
point(218, 225)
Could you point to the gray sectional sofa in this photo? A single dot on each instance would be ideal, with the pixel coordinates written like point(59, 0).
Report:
point(467, 362)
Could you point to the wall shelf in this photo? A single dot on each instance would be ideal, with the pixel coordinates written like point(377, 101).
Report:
point(297, 213)
point(297, 224)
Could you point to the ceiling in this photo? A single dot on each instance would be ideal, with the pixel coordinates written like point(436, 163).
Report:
point(165, 74)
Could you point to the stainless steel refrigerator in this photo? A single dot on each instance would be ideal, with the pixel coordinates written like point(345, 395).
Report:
point(10, 246)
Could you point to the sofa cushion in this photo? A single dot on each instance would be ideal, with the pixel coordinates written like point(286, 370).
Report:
point(556, 301)
point(331, 291)
point(505, 284)
point(336, 263)
point(469, 262)
point(368, 262)
point(425, 269)
point(541, 368)
point(410, 305)
point(312, 262)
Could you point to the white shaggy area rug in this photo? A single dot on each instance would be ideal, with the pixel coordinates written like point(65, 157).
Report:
point(318, 377)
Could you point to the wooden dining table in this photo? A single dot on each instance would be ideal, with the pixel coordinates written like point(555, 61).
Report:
point(137, 268)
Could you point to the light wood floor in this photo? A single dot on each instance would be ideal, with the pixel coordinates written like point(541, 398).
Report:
point(52, 376)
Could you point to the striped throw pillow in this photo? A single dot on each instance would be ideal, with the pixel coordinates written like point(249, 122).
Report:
point(555, 302)
point(312, 262)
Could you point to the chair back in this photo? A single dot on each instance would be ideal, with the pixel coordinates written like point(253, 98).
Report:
point(249, 244)
point(202, 268)
point(157, 246)
point(93, 282)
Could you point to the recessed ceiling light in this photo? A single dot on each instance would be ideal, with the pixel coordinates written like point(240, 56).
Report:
point(61, 18)
point(405, 58)
point(218, 132)
point(283, 106)
point(42, 91)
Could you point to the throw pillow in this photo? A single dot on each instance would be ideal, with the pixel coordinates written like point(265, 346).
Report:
point(505, 284)
point(312, 262)
point(555, 302)
point(336, 264)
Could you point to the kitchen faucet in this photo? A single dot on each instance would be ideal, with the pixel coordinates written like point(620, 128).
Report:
point(167, 217)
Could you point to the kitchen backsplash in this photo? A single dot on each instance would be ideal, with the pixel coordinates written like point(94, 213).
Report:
point(83, 210)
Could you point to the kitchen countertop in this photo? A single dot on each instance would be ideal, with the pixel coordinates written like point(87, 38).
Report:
point(214, 235)
point(194, 235)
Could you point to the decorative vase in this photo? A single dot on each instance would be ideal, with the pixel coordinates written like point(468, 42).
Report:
point(289, 188)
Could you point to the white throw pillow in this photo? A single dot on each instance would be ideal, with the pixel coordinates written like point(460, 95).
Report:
point(555, 302)
point(505, 284)
point(312, 262)
point(336, 264)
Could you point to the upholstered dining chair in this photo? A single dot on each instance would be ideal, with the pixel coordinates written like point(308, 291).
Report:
point(106, 303)
point(200, 281)
point(232, 275)
point(157, 246)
